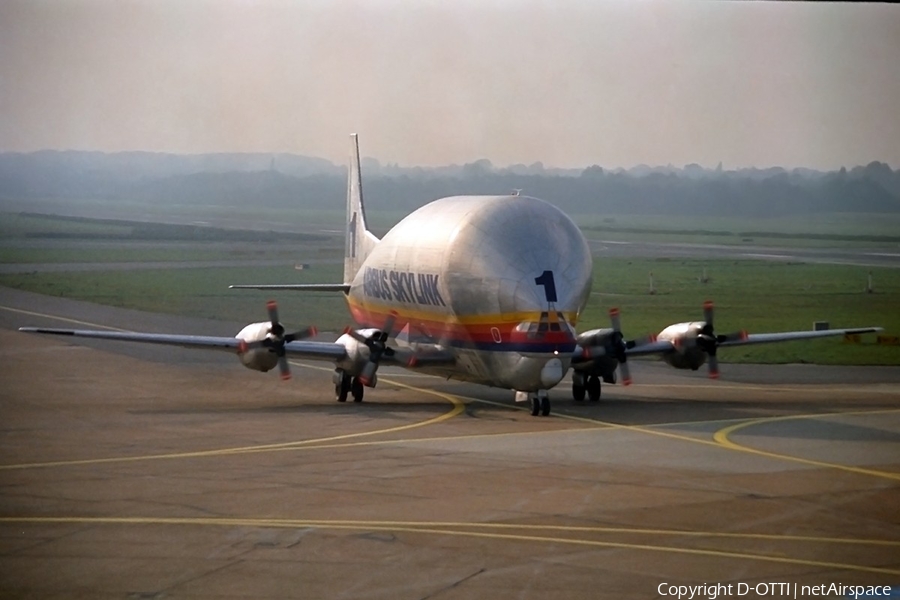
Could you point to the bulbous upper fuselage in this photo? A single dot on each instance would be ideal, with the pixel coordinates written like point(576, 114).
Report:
point(501, 279)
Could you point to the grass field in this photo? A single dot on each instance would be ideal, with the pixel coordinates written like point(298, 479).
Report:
point(837, 229)
point(757, 296)
point(198, 292)
point(821, 230)
point(751, 295)
point(171, 252)
point(754, 295)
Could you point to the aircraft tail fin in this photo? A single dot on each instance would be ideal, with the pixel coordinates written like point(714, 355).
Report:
point(360, 241)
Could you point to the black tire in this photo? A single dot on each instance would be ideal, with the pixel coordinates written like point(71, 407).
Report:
point(593, 388)
point(342, 389)
point(356, 389)
point(545, 406)
point(535, 406)
point(578, 392)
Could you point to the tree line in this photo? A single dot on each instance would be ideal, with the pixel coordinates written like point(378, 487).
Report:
point(265, 180)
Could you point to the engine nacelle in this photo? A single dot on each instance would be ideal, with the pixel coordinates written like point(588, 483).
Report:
point(601, 365)
point(688, 354)
point(594, 337)
point(357, 352)
point(258, 359)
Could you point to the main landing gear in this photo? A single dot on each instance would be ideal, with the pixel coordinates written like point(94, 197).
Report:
point(345, 385)
point(590, 387)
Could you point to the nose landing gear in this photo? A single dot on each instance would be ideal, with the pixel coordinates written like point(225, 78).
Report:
point(540, 404)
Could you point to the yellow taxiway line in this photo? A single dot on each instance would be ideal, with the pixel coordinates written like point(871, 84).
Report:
point(457, 407)
point(487, 530)
point(722, 437)
point(477, 531)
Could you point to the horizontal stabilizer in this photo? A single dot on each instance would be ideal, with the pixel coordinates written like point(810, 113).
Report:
point(309, 287)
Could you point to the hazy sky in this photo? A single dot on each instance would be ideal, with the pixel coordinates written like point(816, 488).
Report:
point(430, 82)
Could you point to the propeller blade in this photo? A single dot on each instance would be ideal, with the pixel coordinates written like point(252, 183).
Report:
point(708, 312)
point(356, 335)
point(388, 325)
point(713, 366)
point(276, 330)
point(710, 341)
point(614, 319)
point(626, 373)
point(732, 337)
point(368, 372)
point(619, 346)
point(272, 307)
point(277, 339)
point(283, 367)
point(302, 334)
point(377, 345)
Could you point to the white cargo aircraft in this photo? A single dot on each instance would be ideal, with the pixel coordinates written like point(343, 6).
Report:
point(485, 289)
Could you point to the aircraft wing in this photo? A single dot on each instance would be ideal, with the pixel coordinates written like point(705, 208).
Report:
point(665, 346)
point(298, 348)
point(786, 336)
point(655, 347)
point(309, 287)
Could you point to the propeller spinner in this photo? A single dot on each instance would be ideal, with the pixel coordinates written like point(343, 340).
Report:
point(709, 342)
point(377, 345)
point(277, 338)
point(615, 346)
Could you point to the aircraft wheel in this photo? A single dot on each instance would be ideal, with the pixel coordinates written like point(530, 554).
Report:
point(578, 392)
point(545, 406)
point(356, 389)
point(535, 406)
point(342, 389)
point(593, 388)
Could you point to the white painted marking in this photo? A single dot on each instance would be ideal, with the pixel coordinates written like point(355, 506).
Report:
point(787, 256)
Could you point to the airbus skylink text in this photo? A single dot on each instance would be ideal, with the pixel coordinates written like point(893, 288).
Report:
point(791, 590)
point(402, 286)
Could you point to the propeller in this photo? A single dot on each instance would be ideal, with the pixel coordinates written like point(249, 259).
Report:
point(277, 338)
point(619, 346)
point(709, 342)
point(615, 346)
point(377, 345)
